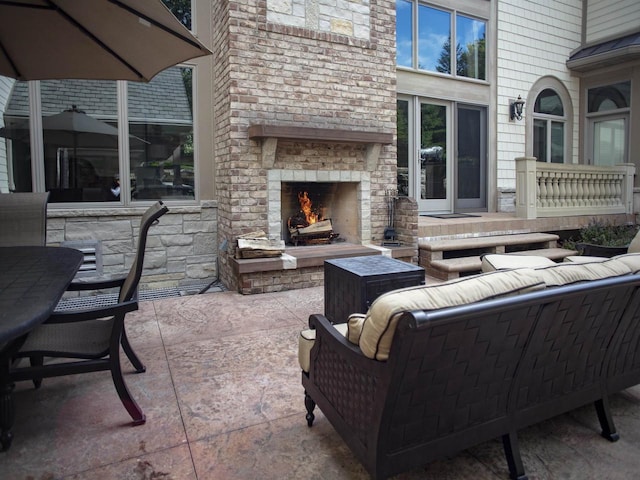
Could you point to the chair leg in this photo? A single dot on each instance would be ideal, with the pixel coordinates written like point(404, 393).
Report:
point(131, 355)
point(512, 452)
point(36, 361)
point(310, 406)
point(7, 412)
point(606, 420)
point(123, 392)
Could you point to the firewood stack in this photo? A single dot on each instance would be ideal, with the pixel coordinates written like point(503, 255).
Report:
point(258, 245)
point(317, 233)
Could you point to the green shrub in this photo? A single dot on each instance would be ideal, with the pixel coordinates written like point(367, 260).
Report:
point(604, 233)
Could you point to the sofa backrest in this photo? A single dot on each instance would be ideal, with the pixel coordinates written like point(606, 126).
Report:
point(374, 332)
point(378, 326)
point(478, 366)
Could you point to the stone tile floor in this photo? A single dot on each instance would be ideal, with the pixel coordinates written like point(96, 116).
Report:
point(223, 400)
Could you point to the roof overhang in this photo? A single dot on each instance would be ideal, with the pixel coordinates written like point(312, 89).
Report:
point(612, 52)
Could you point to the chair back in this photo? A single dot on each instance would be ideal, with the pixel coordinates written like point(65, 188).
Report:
point(130, 286)
point(23, 219)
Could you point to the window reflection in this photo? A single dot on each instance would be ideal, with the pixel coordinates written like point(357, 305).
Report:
point(549, 102)
point(434, 40)
point(160, 113)
point(403, 147)
point(15, 147)
point(609, 97)
point(470, 51)
point(80, 135)
point(404, 35)
point(549, 127)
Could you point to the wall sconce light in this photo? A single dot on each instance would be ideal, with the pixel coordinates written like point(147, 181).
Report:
point(515, 109)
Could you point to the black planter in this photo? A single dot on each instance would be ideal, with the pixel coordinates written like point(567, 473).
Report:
point(600, 250)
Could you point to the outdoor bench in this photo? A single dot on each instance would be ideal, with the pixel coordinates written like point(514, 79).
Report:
point(432, 370)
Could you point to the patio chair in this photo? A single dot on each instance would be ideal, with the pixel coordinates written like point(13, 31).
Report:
point(23, 219)
point(90, 339)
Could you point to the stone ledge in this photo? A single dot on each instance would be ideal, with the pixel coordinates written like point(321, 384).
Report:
point(314, 256)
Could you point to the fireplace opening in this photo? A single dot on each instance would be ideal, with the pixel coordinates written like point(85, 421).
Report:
point(319, 212)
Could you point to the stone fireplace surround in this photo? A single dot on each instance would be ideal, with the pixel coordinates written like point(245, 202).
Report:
point(350, 211)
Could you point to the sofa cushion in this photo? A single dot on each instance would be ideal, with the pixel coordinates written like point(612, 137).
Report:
point(567, 273)
point(305, 343)
point(503, 261)
point(584, 259)
point(379, 325)
point(631, 260)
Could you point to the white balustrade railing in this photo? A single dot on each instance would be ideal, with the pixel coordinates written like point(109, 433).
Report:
point(558, 190)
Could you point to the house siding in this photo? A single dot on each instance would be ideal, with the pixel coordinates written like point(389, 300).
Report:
point(610, 18)
point(534, 40)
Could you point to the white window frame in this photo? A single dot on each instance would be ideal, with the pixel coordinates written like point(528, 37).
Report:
point(551, 83)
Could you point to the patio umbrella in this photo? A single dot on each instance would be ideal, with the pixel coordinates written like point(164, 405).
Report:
point(97, 39)
point(73, 129)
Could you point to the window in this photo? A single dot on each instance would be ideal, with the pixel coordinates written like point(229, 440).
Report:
point(470, 47)
point(434, 40)
point(160, 117)
point(426, 43)
point(608, 109)
point(102, 141)
point(549, 127)
point(403, 147)
point(404, 37)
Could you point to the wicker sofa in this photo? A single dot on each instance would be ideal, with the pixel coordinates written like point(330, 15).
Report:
point(432, 370)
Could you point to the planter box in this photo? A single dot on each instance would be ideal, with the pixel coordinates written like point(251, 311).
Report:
point(592, 250)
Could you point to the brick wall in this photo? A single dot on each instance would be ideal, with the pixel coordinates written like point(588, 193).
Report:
point(323, 74)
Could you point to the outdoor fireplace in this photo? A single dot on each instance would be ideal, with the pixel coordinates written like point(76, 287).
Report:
point(343, 196)
point(310, 223)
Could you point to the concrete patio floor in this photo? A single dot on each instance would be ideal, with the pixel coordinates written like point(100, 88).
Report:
point(223, 400)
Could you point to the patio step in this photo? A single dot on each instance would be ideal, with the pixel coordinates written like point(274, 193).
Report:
point(450, 258)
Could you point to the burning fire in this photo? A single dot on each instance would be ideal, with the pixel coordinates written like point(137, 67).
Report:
point(305, 206)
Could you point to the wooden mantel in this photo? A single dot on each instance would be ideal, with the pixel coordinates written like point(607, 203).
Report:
point(269, 134)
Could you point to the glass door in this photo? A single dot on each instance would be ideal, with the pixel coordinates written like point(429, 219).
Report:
point(433, 179)
point(471, 159)
point(609, 140)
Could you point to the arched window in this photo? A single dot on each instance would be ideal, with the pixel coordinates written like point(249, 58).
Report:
point(549, 127)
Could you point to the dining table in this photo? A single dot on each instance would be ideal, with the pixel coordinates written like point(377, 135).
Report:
point(32, 282)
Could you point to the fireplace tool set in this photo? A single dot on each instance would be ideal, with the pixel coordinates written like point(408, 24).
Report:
point(390, 239)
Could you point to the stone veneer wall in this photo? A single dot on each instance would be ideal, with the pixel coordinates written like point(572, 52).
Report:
point(406, 223)
point(327, 71)
point(181, 248)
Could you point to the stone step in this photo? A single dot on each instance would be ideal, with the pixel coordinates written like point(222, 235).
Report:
point(487, 241)
point(452, 267)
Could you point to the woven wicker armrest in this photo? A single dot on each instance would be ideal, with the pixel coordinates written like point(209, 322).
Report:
point(331, 340)
point(93, 313)
point(97, 283)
